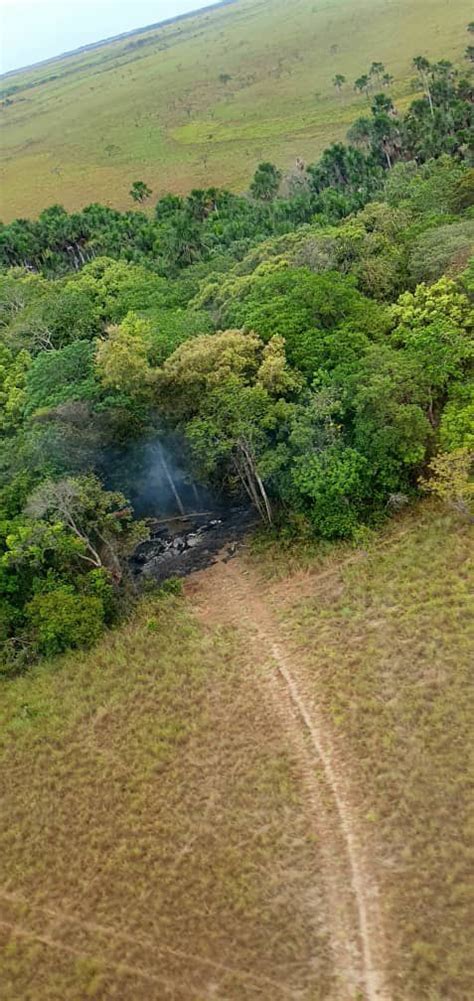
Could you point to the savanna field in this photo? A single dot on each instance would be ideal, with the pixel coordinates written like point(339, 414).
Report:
point(203, 100)
point(237, 510)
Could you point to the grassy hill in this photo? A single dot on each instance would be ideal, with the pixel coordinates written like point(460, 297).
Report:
point(203, 99)
point(157, 842)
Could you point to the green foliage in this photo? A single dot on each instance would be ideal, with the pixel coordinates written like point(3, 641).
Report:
point(266, 182)
point(140, 192)
point(70, 315)
point(59, 376)
point(456, 429)
point(332, 487)
point(173, 586)
point(169, 328)
point(463, 195)
point(451, 480)
point(389, 423)
point(304, 309)
point(443, 300)
point(119, 288)
point(440, 250)
point(426, 189)
point(122, 359)
point(308, 346)
point(60, 619)
point(13, 391)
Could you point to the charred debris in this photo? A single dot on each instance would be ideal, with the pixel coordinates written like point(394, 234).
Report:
point(181, 544)
point(189, 523)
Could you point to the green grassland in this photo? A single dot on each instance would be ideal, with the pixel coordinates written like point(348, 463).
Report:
point(154, 106)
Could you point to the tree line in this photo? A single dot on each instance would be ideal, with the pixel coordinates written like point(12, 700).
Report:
point(308, 346)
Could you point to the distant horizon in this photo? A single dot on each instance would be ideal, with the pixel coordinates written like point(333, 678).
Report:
point(52, 34)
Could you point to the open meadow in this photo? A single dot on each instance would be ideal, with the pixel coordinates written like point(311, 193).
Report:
point(177, 824)
point(201, 101)
point(237, 509)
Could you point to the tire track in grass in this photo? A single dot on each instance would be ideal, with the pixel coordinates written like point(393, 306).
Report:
point(229, 593)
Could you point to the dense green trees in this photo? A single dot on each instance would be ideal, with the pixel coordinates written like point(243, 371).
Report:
point(308, 346)
point(187, 230)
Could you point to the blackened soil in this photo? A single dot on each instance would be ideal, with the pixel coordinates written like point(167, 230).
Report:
point(181, 546)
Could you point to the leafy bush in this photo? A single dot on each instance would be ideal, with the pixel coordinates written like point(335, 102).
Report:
point(332, 488)
point(61, 618)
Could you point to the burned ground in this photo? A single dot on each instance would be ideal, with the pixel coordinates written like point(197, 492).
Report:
point(181, 545)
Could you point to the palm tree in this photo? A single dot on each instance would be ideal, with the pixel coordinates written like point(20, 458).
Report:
point(360, 132)
point(140, 191)
point(339, 81)
point(377, 70)
point(382, 104)
point(424, 69)
point(362, 84)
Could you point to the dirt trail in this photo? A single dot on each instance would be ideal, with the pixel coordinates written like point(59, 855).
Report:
point(230, 594)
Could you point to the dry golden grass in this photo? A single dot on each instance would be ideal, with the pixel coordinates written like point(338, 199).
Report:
point(155, 840)
point(153, 844)
point(385, 639)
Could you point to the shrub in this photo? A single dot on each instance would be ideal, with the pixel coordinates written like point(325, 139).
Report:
point(332, 486)
point(62, 619)
point(451, 480)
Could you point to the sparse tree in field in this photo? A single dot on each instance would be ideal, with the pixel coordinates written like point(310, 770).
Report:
point(377, 70)
point(224, 78)
point(266, 182)
point(387, 80)
point(339, 81)
point(423, 66)
point(140, 192)
point(470, 53)
point(470, 27)
point(362, 85)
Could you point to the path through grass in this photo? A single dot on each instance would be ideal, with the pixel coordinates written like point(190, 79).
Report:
point(153, 843)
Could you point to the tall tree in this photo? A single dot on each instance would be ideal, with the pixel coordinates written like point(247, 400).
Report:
point(423, 66)
point(363, 84)
point(266, 182)
point(339, 81)
point(377, 70)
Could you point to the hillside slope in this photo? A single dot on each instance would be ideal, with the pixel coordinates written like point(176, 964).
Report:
point(254, 791)
point(204, 99)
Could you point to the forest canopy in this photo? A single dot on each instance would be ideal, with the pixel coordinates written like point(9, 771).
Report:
point(308, 345)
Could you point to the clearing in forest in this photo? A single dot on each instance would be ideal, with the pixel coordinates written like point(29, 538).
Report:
point(255, 791)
